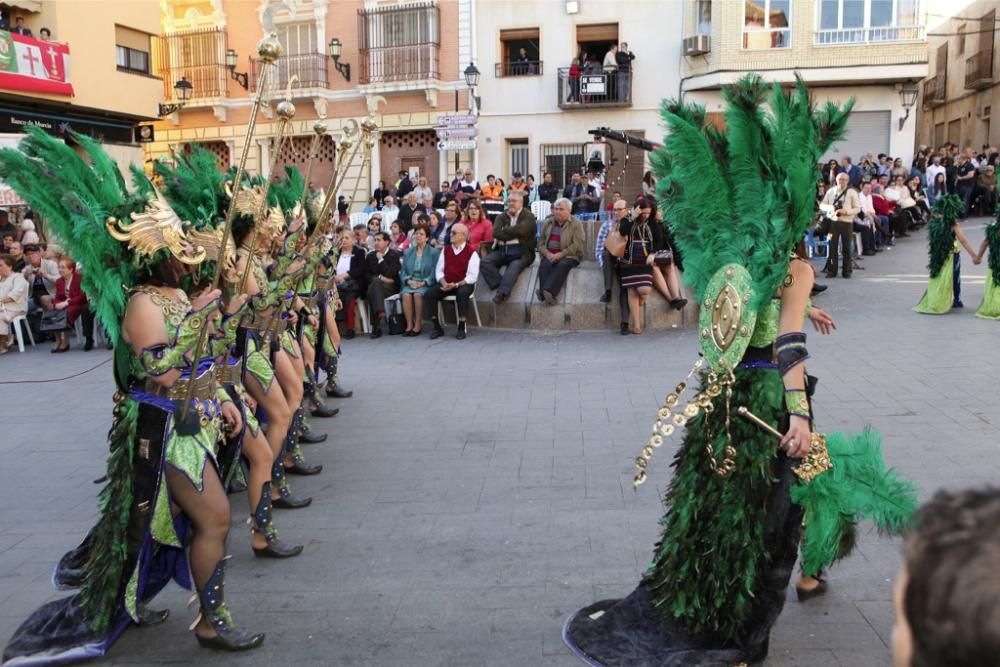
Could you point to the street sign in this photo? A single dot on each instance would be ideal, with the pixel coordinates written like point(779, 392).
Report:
point(457, 145)
point(593, 85)
point(452, 132)
point(457, 119)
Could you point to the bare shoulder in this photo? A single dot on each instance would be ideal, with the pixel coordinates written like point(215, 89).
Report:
point(802, 274)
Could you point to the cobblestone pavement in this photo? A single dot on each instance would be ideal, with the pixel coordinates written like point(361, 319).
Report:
point(477, 492)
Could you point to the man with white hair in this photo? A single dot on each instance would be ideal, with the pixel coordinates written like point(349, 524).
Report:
point(846, 205)
point(513, 247)
point(456, 273)
point(411, 206)
point(561, 247)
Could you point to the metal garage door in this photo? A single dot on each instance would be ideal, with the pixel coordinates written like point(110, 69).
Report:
point(867, 132)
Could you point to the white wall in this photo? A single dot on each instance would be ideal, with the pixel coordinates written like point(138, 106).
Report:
point(527, 107)
point(866, 98)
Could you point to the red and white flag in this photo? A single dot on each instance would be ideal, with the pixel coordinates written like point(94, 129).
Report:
point(32, 65)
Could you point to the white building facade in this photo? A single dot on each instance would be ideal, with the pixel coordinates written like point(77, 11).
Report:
point(536, 114)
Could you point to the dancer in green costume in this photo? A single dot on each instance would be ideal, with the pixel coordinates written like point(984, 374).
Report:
point(944, 234)
point(738, 203)
point(989, 309)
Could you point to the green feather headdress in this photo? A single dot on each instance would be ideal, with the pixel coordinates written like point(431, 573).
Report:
point(745, 195)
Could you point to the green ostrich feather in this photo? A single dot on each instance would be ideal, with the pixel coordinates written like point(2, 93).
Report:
point(857, 487)
point(941, 231)
point(993, 243)
point(707, 563)
point(194, 186)
point(75, 197)
point(287, 191)
point(105, 576)
point(744, 195)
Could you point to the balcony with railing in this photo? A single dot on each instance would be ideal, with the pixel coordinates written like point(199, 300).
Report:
point(979, 70)
point(399, 44)
point(199, 57)
point(935, 91)
point(589, 91)
point(310, 68)
point(871, 35)
point(519, 68)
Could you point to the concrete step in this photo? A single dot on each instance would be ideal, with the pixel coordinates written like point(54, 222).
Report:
point(579, 308)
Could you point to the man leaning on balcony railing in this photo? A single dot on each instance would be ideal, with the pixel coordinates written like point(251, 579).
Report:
point(624, 59)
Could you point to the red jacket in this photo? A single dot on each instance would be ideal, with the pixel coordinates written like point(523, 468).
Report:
point(77, 299)
point(882, 205)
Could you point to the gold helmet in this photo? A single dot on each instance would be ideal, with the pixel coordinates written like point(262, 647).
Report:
point(157, 228)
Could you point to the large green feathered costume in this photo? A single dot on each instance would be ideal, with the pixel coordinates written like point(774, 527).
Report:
point(941, 231)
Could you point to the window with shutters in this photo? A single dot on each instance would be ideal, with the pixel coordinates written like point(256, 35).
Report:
point(302, 57)
point(399, 42)
point(132, 49)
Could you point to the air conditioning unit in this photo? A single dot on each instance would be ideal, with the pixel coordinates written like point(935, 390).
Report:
point(697, 45)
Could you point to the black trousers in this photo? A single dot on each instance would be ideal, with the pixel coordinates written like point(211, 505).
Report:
point(610, 271)
point(867, 238)
point(842, 233)
point(552, 277)
point(377, 293)
point(435, 294)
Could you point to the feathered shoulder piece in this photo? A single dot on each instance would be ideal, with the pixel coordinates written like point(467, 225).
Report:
point(743, 195)
point(941, 231)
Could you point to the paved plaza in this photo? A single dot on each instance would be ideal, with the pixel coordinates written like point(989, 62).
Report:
point(477, 492)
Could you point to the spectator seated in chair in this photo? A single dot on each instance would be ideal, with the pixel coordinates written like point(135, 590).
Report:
point(13, 300)
point(70, 297)
point(480, 227)
point(417, 275)
point(41, 275)
point(561, 248)
point(349, 276)
point(456, 273)
point(382, 270)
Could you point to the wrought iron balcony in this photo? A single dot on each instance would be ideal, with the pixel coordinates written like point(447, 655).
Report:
point(399, 43)
point(935, 91)
point(197, 56)
point(519, 68)
point(979, 70)
point(587, 91)
point(310, 68)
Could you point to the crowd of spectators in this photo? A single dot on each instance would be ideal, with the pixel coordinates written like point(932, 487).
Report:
point(40, 283)
point(880, 200)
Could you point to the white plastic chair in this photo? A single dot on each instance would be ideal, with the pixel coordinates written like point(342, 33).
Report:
point(358, 219)
point(453, 299)
point(542, 209)
point(16, 324)
point(395, 302)
point(98, 333)
point(388, 219)
point(362, 307)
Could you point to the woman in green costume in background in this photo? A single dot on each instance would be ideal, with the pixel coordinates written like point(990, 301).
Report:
point(990, 307)
point(944, 289)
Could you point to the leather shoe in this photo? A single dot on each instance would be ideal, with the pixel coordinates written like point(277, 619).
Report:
point(625, 330)
point(498, 298)
point(376, 333)
point(460, 334)
point(549, 298)
point(89, 345)
point(817, 288)
point(323, 411)
point(349, 334)
point(310, 438)
point(606, 297)
point(831, 275)
point(291, 503)
point(335, 391)
point(304, 469)
point(277, 549)
point(437, 333)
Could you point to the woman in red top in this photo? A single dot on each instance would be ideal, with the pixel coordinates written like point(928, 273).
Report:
point(480, 227)
point(70, 297)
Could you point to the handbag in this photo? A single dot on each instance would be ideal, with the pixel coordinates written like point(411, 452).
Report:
point(397, 324)
point(615, 243)
point(54, 320)
point(664, 258)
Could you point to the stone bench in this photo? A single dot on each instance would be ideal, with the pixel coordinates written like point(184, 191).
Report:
point(579, 307)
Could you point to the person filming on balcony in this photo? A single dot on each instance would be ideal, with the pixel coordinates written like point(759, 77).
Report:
point(624, 58)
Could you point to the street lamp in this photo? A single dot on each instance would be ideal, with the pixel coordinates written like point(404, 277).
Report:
point(908, 93)
point(239, 77)
point(472, 80)
point(182, 93)
point(335, 50)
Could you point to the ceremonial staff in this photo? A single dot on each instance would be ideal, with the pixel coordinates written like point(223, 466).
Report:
point(268, 50)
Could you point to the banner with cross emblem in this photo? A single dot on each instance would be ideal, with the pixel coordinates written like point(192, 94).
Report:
point(34, 65)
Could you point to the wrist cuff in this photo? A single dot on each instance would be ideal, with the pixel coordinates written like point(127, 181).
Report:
point(797, 403)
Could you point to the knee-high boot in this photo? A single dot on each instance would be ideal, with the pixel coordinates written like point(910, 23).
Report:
point(299, 464)
point(316, 406)
point(287, 500)
point(263, 522)
point(333, 387)
point(213, 608)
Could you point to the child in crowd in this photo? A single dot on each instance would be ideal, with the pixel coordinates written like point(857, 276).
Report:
point(947, 594)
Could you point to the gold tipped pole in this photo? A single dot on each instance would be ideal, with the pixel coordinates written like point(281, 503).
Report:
point(744, 412)
point(268, 50)
point(319, 131)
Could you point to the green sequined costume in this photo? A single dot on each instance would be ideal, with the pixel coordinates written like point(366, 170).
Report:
point(989, 309)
